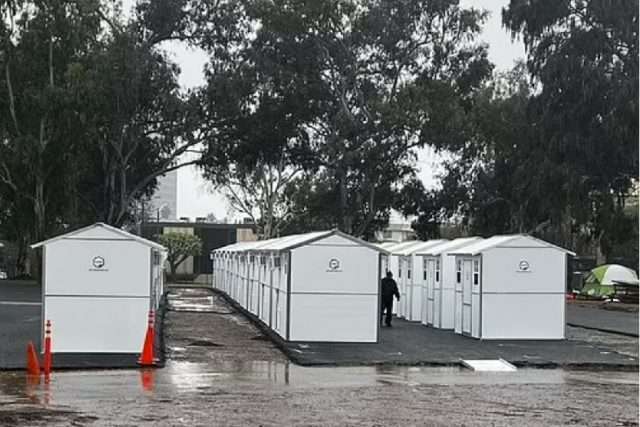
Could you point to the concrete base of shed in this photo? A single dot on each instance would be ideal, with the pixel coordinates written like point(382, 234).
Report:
point(94, 360)
point(408, 343)
point(413, 344)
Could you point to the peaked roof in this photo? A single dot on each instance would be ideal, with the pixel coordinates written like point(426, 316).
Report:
point(394, 249)
point(418, 247)
point(292, 241)
point(386, 245)
point(75, 234)
point(448, 246)
point(498, 241)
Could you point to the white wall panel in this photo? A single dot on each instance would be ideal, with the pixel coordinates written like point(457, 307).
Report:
point(447, 308)
point(502, 273)
point(95, 324)
point(70, 268)
point(338, 318)
point(524, 316)
point(415, 297)
point(475, 315)
point(334, 269)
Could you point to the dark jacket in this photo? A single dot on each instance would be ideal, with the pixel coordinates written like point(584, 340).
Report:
point(389, 289)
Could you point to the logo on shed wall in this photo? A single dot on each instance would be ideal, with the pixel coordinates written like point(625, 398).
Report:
point(523, 266)
point(98, 264)
point(334, 265)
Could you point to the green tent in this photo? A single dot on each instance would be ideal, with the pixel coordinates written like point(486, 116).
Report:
point(599, 282)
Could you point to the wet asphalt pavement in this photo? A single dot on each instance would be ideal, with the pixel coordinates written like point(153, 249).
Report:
point(20, 313)
point(222, 371)
point(588, 316)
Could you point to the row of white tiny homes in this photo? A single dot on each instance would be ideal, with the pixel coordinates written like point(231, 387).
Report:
point(438, 282)
point(321, 286)
point(504, 287)
point(410, 280)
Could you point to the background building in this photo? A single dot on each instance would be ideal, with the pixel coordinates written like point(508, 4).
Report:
point(398, 230)
point(213, 236)
point(163, 205)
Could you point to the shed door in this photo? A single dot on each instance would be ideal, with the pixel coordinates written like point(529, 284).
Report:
point(437, 294)
point(430, 279)
point(466, 296)
point(423, 289)
point(402, 282)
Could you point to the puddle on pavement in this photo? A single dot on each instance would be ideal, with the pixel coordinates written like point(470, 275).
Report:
point(68, 388)
point(197, 300)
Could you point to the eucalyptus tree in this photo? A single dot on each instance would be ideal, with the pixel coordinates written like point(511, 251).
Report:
point(40, 43)
point(583, 56)
point(360, 84)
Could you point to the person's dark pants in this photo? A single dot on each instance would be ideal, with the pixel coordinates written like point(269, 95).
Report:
point(387, 306)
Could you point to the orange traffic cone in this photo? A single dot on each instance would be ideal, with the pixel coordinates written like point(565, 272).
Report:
point(47, 349)
point(146, 358)
point(33, 366)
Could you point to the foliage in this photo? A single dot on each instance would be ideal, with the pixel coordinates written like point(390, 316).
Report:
point(40, 43)
point(346, 90)
point(139, 124)
point(180, 246)
point(584, 56)
point(91, 112)
point(260, 195)
point(552, 146)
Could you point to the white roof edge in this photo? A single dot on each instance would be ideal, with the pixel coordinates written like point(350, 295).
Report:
point(361, 241)
point(551, 245)
point(476, 248)
point(415, 249)
point(449, 246)
point(399, 246)
point(103, 225)
point(295, 240)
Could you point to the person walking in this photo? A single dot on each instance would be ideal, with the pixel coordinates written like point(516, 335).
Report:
point(389, 289)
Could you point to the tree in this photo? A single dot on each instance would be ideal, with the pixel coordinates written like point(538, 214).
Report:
point(353, 88)
point(583, 55)
point(260, 195)
point(141, 124)
point(91, 112)
point(180, 246)
point(40, 42)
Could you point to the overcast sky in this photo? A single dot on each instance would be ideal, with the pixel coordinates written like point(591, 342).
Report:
point(194, 196)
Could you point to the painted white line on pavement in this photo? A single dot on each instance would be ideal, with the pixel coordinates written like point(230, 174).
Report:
point(19, 303)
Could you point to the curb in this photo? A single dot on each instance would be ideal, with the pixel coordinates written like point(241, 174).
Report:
point(609, 331)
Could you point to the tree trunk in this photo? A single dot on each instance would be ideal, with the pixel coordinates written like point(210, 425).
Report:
point(39, 209)
point(172, 273)
point(344, 217)
point(21, 256)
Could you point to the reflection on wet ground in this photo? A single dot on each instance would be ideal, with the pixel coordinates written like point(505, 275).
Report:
point(219, 373)
point(95, 394)
point(180, 377)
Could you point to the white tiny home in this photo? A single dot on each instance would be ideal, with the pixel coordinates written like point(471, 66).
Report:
point(438, 277)
point(98, 285)
point(394, 263)
point(411, 304)
point(321, 286)
point(511, 287)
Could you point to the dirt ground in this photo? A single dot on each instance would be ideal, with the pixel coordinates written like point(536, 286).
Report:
point(221, 371)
